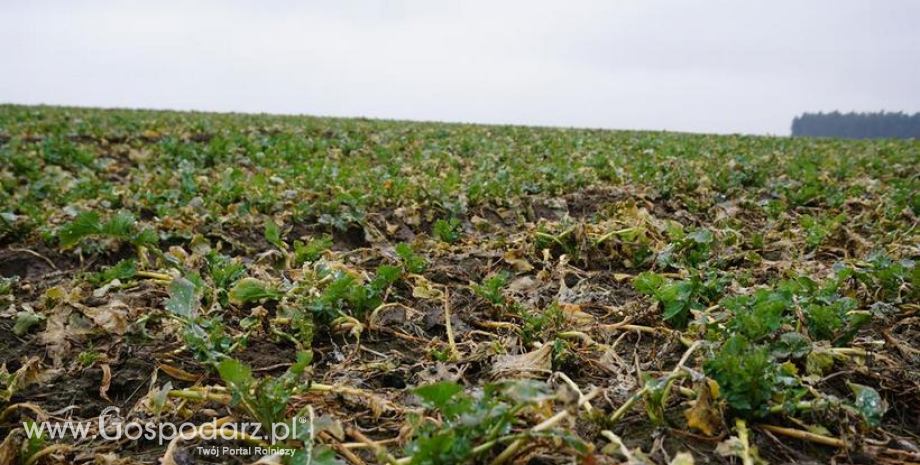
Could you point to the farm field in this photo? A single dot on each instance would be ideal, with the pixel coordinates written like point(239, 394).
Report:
point(429, 293)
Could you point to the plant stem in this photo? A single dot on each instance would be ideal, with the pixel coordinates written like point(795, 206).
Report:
point(611, 234)
point(626, 405)
point(674, 374)
point(12, 408)
point(583, 337)
point(676, 371)
point(847, 351)
point(747, 456)
point(639, 328)
point(47, 451)
point(545, 425)
point(514, 446)
point(154, 275)
point(802, 406)
point(379, 450)
point(805, 436)
point(200, 396)
point(454, 354)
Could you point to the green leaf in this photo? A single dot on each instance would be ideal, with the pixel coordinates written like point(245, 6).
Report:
point(119, 225)
point(252, 290)
point(701, 236)
point(648, 282)
point(123, 271)
point(447, 230)
point(312, 250)
point(34, 443)
point(745, 373)
point(653, 396)
point(386, 276)
point(25, 320)
point(85, 224)
point(759, 315)
point(413, 262)
point(304, 359)
point(183, 298)
point(236, 374)
point(273, 234)
point(676, 299)
point(439, 395)
point(224, 270)
point(324, 456)
point(791, 345)
point(491, 288)
point(869, 404)
point(158, 399)
point(6, 284)
point(145, 237)
point(527, 391)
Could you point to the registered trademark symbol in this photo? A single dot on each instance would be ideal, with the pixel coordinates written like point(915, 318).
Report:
point(302, 419)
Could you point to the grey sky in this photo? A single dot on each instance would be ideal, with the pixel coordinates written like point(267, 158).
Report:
point(704, 66)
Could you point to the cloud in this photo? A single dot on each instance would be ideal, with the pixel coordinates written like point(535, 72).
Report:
point(708, 66)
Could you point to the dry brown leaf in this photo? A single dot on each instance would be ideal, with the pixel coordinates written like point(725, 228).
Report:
point(10, 447)
point(441, 372)
point(106, 381)
point(481, 224)
point(523, 285)
point(530, 364)
point(517, 262)
point(177, 373)
point(574, 315)
point(111, 317)
point(63, 326)
point(111, 458)
point(29, 373)
point(410, 216)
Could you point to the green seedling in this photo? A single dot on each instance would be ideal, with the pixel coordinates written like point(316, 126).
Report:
point(411, 261)
point(447, 230)
point(491, 289)
point(121, 226)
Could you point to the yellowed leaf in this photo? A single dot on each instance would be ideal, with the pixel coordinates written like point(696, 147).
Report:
point(702, 416)
point(519, 264)
point(56, 293)
point(424, 289)
point(713, 388)
point(574, 315)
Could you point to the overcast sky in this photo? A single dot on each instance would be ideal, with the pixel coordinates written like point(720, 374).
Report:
point(704, 66)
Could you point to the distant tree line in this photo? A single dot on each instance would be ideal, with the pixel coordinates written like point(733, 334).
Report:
point(858, 125)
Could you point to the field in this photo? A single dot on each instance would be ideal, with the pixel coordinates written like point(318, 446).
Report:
point(427, 293)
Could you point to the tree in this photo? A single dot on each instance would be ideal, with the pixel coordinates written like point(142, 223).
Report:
point(880, 125)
